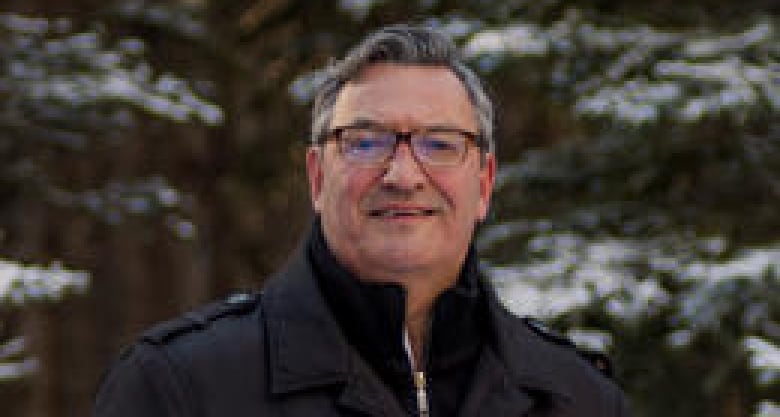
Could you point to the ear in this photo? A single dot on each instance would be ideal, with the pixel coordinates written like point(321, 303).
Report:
point(315, 174)
point(487, 179)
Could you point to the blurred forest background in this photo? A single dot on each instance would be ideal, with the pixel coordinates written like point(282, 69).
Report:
point(151, 160)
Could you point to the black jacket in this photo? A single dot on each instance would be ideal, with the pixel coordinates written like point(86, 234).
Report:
point(283, 353)
point(371, 316)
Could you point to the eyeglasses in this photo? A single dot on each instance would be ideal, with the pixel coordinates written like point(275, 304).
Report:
point(375, 145)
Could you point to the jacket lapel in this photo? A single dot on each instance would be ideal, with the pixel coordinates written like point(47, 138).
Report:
point(494, 391)
point(366, 394)
point(516, 373)
point(535, 365)
point(307, 349)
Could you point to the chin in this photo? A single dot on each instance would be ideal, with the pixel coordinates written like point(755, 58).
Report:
point(400, 257)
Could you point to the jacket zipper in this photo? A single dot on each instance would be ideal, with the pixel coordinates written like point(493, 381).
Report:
point(418, 378)
point(422, 394)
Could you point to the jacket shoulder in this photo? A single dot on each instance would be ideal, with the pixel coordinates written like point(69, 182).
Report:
point(598, 360)
point(204, 318)
point(547, 362)
point(165, 371)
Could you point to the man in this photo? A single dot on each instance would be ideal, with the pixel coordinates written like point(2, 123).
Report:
point(382, 311)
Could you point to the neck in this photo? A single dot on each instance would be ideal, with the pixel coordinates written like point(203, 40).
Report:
point(373, 312)
point(417, 324)
point(421, 295)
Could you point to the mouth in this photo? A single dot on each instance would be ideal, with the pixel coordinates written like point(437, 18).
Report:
point(402, 212)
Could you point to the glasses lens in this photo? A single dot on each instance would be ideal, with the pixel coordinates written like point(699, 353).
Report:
point(366, 145)
point(440, 148)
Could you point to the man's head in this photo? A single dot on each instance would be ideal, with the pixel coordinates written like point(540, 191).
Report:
point(401, 167)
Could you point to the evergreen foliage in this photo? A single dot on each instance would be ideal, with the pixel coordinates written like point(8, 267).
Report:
point(635, 209)
point(63, 91)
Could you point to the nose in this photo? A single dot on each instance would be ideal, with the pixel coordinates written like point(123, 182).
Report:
point(402, 171)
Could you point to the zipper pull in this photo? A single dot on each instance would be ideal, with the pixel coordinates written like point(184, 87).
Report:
point(422, 394)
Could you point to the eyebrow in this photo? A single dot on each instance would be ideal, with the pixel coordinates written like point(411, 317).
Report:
point(371, 123)
point(365, 122)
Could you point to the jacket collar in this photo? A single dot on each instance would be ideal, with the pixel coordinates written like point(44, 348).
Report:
point(371, 315)
point(307, 349)
point(518, 367)
point(295, 311)
point(532, 363)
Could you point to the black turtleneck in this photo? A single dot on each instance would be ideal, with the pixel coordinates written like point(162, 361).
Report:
point(372, 315)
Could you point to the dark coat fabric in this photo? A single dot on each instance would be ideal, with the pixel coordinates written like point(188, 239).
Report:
point(283, 353)
point(371, 316)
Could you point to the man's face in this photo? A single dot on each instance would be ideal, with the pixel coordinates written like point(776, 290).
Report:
point(401, 220)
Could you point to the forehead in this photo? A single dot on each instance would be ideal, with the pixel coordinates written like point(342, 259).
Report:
point(405, 96)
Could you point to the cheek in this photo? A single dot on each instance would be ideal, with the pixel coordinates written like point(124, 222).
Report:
point(343, 192)
point(464, 195)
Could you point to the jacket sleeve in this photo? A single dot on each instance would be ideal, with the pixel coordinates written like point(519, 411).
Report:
point(143, 382)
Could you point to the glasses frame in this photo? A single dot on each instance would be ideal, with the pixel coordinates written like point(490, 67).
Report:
point(335, 134)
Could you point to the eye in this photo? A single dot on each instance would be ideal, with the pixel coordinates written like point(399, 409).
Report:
point(366, 143)
point(436, 144)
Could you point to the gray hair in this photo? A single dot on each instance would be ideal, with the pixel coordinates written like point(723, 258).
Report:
point(403, 44)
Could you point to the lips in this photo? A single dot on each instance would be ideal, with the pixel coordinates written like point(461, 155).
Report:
point(394, 212)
